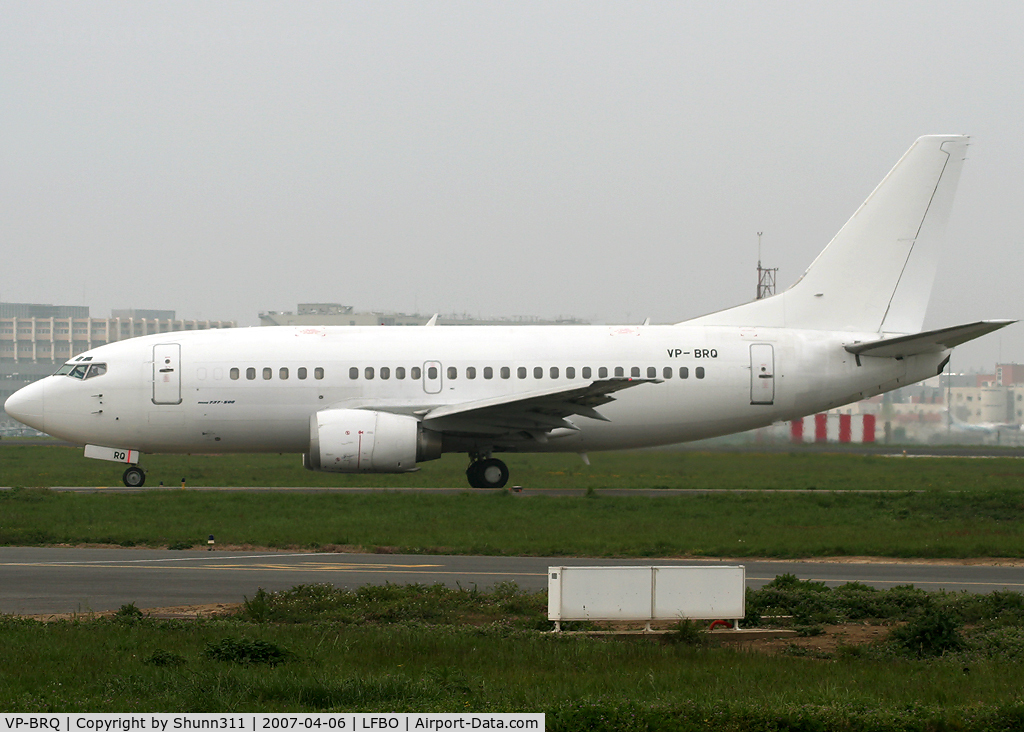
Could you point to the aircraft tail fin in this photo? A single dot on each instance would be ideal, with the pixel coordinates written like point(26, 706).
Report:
point(876, 274)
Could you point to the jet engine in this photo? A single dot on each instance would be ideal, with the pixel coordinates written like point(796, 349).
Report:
point(364, 441)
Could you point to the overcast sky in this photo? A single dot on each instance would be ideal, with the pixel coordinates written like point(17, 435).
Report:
point(607, 160)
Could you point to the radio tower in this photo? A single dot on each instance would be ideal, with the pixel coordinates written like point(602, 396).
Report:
point(765, 277)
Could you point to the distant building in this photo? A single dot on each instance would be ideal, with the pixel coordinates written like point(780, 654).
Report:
point(132, 313)
point(331, 313)
point(991, 398)
point(35, 339)
point(32, 310)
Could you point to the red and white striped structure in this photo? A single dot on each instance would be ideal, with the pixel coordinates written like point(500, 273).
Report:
point(826, 427)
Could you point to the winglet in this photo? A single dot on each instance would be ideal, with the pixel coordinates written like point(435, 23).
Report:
point(432, 321)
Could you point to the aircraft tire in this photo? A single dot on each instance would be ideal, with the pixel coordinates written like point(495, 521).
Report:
point(492, 473)
point(473, 475)
point(134, 477)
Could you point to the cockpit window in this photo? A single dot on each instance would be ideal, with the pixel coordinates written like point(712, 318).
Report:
point(82, 370)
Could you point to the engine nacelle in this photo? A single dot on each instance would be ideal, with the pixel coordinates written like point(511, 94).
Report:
point(362, 441)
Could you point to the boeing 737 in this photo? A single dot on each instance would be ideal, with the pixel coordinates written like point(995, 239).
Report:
point(382, 400)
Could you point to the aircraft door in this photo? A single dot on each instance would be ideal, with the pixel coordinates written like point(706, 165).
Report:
point(432, 377)
point(167, 373)
point(762, 373)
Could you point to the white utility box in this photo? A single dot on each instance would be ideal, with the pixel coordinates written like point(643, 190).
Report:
point(646, 593)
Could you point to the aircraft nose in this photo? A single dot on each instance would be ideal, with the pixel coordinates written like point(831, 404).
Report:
point(26, 405)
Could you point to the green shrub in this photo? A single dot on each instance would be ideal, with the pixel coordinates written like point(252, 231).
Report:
point(686, 632)
point(128, 612)
point(160, 657)
point(934, 633)
point(245, 651)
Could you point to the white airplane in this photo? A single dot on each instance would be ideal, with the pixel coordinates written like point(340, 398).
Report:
point(372, 399)
point(986, 428)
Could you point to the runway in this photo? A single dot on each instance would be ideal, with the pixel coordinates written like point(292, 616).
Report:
point(61, 580)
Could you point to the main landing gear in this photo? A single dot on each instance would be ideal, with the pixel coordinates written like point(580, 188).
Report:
point(487, 473)
point(134, 477)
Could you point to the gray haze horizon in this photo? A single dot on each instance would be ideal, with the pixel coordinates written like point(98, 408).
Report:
point(610, 161)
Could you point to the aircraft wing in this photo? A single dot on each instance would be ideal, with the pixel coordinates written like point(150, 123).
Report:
point(535, 412)
point(932, 341)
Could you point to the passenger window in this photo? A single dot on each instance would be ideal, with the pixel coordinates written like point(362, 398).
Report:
point(699, 371)
point(667, 372)
point(400, 372)
point(432, 372)
point(521, 372)
point(488, 372)
point(453, 373)
point(200, 374)
point(318, 373)
point(353, 373)
point(250, 373)
point(538, 372)
point(570, 372)
point(620, 372)
point(268, 373)
point(505, 372)
point(471, 372)
point(368, 373)
point(234, 374)
point(302, 372)
point(684, 373)
point(602, 372)
point(635, 372)
point(586, 372)
point(652, 373)
point(415, 372)
point(385, 372)
point(283, 374)
point(554, 372)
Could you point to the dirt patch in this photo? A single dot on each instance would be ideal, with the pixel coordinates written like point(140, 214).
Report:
point(770, 640)
point(824, 644)
point(831, 638)
point(180, 612)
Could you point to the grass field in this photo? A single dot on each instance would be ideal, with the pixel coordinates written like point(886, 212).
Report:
point(955, 663)
point(420, 648)
point(961, 507)
point(31, 466)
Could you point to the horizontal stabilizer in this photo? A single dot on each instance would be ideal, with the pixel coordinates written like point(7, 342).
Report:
point(932, 341)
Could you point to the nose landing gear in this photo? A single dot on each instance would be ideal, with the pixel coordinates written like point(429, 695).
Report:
point(487, 473)
point(134, 477)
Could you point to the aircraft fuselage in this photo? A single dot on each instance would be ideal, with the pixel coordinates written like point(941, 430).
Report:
point(241, 391)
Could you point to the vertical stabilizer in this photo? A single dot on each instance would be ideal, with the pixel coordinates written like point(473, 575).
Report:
point(876, 274)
